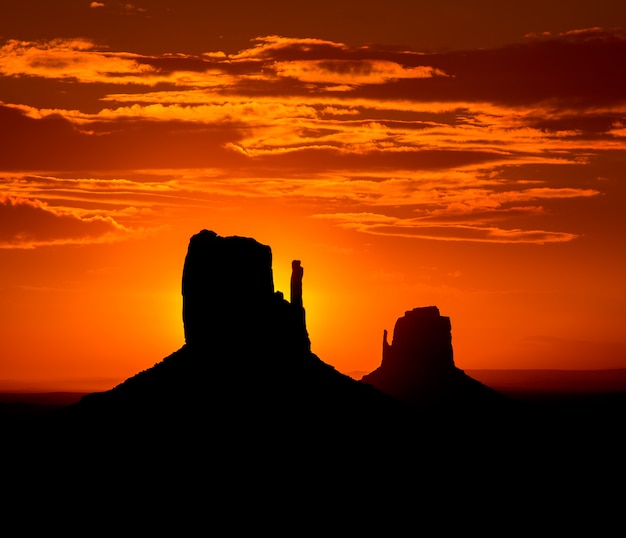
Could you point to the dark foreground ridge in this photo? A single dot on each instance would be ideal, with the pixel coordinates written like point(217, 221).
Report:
point(244, 415)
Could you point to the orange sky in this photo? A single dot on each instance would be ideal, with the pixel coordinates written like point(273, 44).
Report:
point(468, 155)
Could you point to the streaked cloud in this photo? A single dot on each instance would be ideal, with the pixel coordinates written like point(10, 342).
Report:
point(30, 223)
point(73, 59)
point(418, 229)
point(475, 145)
point(121, 8)
point(352, 72)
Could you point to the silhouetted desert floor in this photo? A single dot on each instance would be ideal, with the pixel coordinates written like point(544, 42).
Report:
point(555, 464)
point(558, 389)
point(552, 381)
point(21, 405)
point(596, 387)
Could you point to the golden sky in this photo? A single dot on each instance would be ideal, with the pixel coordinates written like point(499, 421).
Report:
point(468, 155)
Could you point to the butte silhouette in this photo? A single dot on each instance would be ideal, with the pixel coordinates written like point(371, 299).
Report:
point(418, 367)
point(247, 359)
point(246, 364)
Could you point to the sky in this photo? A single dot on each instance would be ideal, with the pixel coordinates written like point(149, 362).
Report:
point(463, 154)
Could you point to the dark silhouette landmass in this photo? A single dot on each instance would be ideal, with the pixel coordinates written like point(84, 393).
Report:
point(418, 367)
point(245, 415)
point(247, 356)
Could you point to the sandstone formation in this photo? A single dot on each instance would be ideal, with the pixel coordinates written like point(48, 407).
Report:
point(418, 366)
point(246, 365)
point(229, 300)
point(297, 272)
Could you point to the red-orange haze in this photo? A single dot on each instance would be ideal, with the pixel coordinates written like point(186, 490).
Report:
point(479, 168)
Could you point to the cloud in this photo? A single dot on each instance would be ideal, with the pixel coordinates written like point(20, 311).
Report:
point(29, 223)
point(132, 8)
point(111, 191)
point(377, 224)
point(120, 8)
point(474, 145)
point(571, 70)
point(71, 59)
point(454, 212)
point(352, 72)
point(64, 142)
point(461, 206)
point(279, 47)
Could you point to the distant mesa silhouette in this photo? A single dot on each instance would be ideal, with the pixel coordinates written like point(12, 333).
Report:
point(418, 366)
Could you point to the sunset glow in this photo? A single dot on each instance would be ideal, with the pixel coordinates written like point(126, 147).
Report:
point(403, 169)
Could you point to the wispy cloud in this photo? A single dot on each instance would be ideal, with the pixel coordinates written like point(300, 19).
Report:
point(421, 229)
point(352, 72)
point(472, 146)
point(73, 59)
point(119, 8)
point(28, 223)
